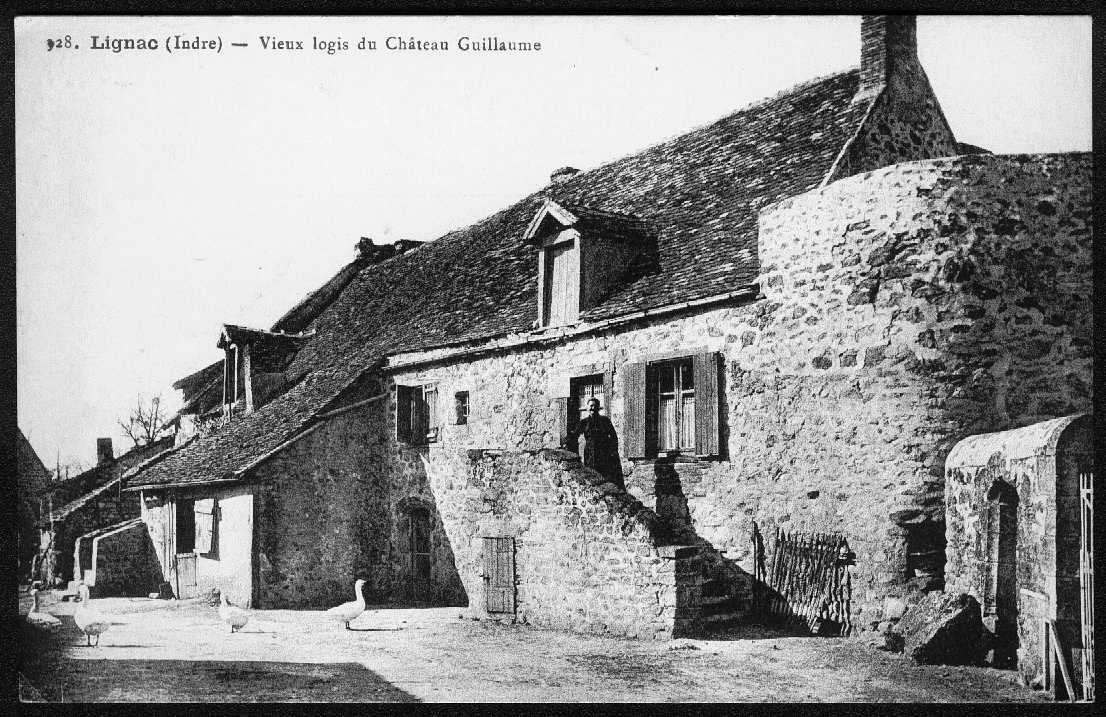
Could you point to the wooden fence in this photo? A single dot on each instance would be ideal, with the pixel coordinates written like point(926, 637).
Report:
point(1086, 581)
point(806, 579)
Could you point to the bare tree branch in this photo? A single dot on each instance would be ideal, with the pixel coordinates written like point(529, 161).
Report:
point(146, 422)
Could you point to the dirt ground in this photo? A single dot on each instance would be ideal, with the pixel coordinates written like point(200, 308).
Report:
point(179, 651)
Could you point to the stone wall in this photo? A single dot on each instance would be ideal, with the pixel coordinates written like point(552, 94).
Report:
point(905, 122)
point(108, 506)
point(1036, 470)
point(125, 562)
point(914, 306)
point(903, 310)
point(329, 512)
point(587, 555)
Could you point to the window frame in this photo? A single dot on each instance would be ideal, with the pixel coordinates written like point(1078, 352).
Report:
point(679, 369)
point(565, 238)
point(640, 403)
point(423, 420)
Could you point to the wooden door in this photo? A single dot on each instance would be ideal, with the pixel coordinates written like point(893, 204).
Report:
point(419, 542)
point(186, 576)
point(499, 574)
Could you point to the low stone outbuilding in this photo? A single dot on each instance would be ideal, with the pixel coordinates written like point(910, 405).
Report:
point(88, 502)
point(1014, 527)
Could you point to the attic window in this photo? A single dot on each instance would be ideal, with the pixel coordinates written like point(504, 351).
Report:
point(561, 285)
point(583, 255)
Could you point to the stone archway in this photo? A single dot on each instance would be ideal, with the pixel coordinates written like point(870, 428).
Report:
point(1000, 601)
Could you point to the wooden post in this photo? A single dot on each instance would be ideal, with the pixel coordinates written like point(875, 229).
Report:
point(1046, 657)
point(1062, 659)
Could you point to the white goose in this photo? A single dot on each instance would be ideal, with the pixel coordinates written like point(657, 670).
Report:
point(88, 619)
point(39, 619)
point(348, 611)
point(232, 615)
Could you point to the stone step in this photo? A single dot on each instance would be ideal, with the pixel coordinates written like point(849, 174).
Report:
point(714, 588)
point(715, 623)
point(722, 608)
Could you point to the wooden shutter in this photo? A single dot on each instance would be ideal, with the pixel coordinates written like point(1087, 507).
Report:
point(706, 404)
point(205, 524)
point(633, 399)
point(403, 413)
point(560, 417)
point(430, 406)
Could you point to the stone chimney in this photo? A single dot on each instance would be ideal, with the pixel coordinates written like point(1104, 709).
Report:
point(371, 253)
point(888, 52)
point(104, 453)
point(405, 245)
point(563, 174)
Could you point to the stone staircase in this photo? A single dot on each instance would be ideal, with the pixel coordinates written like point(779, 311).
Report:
point(725, 591)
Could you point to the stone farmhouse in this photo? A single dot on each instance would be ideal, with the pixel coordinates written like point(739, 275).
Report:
point(791, 316)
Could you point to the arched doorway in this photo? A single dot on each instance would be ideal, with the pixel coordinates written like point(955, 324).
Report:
point(1000, 604)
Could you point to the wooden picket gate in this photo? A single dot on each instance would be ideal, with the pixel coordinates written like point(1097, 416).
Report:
point(806, 580)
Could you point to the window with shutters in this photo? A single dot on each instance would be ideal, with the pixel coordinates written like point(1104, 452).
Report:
point(417, 414)
point(672, 406)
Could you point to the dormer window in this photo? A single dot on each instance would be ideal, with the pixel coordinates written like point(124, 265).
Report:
point(584, 255)
point(232, 374)
point(250, 356)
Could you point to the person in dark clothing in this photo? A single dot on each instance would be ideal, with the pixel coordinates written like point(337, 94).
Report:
point(600, 444)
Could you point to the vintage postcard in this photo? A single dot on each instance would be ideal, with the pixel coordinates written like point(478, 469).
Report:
point(555, 359)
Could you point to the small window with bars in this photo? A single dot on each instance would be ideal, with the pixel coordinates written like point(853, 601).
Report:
point(581, 390)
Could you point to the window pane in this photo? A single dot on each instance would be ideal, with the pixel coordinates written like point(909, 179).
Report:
point(665, 379)
point(667, 430)
point(687, 421)
point(585, 388)
point(687, 376)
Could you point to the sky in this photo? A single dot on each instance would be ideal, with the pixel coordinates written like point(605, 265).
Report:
point(161, 194)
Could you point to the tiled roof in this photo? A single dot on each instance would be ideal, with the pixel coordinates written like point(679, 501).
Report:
point(74, 492)
point(698, 193)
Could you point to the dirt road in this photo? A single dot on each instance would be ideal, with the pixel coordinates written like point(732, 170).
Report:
point(176, 651)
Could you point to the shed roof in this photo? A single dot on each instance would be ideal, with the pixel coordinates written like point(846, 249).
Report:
point(699, 194)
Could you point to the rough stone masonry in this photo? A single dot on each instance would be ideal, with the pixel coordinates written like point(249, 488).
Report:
point(903, 309)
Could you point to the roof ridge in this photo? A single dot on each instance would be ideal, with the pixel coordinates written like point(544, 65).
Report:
point(756, 104)
point(571, 206)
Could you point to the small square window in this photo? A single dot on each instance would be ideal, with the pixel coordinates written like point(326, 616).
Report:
point(461, 407)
